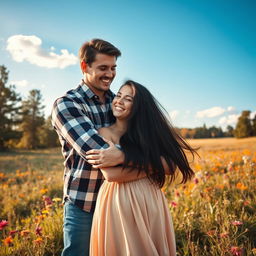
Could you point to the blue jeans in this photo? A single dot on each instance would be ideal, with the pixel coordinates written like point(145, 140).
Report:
point(76, 228)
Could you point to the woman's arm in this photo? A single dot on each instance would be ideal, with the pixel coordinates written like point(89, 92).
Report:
point(120, 174)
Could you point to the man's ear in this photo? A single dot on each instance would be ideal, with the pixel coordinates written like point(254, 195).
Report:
point(83, 66)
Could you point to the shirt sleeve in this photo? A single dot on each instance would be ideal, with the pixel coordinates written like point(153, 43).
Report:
point(71, 122)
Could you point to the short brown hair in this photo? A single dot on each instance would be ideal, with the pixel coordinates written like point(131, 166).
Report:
point(89, 50)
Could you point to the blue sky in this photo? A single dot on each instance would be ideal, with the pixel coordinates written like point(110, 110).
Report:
point(198, 58)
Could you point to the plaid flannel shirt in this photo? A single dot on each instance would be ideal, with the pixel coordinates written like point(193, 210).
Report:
point(76, 118)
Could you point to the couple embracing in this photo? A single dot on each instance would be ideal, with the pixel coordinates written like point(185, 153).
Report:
point(119, 150)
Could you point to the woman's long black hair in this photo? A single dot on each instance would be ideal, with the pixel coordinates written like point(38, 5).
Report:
point(150, 136)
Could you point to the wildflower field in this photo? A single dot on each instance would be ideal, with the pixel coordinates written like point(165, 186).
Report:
point(214, 214)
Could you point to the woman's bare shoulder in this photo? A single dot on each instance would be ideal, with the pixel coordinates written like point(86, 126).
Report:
point(105, 132)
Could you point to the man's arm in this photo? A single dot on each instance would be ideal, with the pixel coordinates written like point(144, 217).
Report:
point(100, 158)
point(70, 122)
point(97, 158)
point(118, 174)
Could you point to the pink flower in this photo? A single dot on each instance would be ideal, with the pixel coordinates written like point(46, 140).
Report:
point(246, 203)
point(236, 251)
point(230, 166)
point(3, 224)
point(173, 204)
point(38, 231)
point(237, 223)
point(47, 200)
point(196, 180)
point(177, 193)
point(13, 232)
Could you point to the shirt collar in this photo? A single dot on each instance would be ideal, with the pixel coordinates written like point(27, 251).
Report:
point(90, 94)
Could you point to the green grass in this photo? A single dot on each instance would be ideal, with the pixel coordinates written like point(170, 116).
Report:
point(204, 216)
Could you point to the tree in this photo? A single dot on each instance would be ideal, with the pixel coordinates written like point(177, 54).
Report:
point(243, 126)
point(254, 126)
point(187, 133)
point(48, 136)
point(9, 110)
point(202, 132)
point(230, 131)
point(215, 132)
point(32, 120)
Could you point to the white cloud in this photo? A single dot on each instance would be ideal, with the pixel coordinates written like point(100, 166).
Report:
point(173, 114)
point(210, 112)
point(21, 83)
point(229, 120)
point(28, 48)
point(252, 115)
point(231, 109)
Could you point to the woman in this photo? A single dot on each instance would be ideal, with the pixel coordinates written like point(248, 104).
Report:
point(132, 218)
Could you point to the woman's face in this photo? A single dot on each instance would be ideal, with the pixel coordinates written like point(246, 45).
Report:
point(123, 101)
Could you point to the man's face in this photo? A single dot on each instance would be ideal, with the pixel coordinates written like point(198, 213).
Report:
point(100, 74)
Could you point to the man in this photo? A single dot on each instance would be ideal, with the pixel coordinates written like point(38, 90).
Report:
point(76, 118)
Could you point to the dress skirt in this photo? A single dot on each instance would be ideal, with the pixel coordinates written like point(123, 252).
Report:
point(133, 219)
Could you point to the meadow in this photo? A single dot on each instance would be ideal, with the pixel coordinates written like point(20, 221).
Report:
point(213, 214)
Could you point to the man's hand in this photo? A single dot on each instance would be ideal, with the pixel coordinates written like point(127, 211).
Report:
point(100, 158)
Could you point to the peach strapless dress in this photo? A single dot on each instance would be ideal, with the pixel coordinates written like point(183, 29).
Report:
point(132, 219)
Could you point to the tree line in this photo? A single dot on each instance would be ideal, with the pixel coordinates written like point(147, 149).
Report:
point(23, 125)
point(245, 127)
point(22, 122)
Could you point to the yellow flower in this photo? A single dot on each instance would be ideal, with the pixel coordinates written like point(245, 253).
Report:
point(57, 199)
point(241, 186)
point(247, 152)
point(44, 191)
point(4, 186)
point(40, 217)
point(38, 241)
